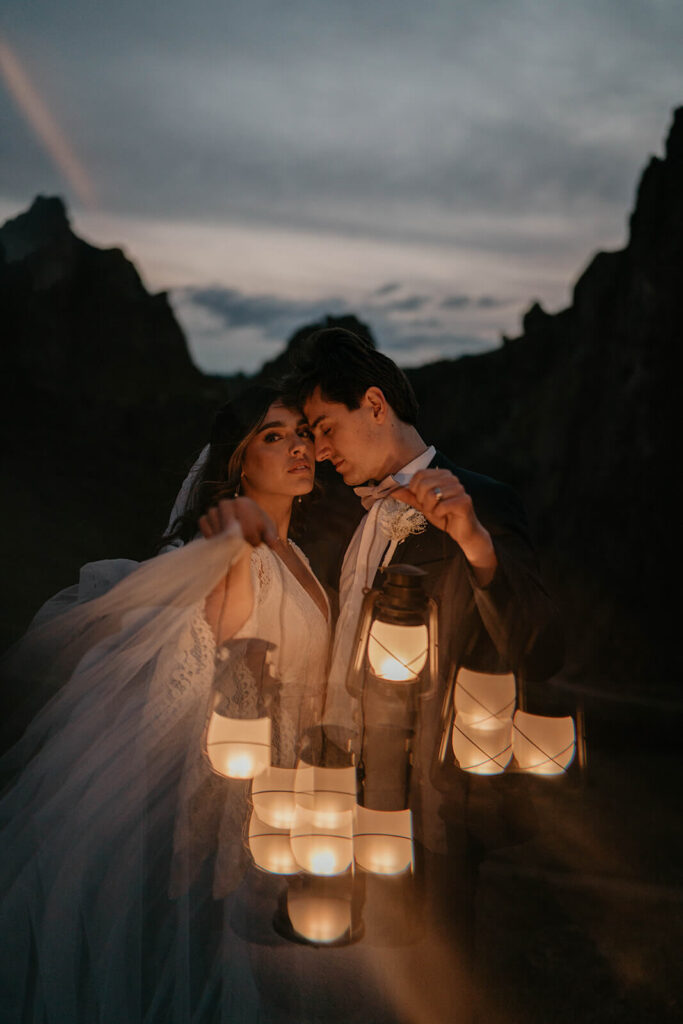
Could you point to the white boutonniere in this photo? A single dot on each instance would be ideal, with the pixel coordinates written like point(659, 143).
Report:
point(397, 520)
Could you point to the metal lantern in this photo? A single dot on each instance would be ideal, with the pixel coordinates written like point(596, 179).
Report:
point(396, 640)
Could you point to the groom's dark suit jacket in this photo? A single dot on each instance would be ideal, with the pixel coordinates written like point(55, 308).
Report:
point(510, 625)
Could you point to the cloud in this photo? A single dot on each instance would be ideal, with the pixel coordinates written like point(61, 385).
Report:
point(387, 289)
point(409, 304)
point(456, 302)
point(276, 316)
point(230, 330)
point(467, 301)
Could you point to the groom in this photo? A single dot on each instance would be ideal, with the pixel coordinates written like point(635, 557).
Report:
point(494, 613)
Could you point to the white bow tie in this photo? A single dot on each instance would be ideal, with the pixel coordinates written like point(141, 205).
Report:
point(369, 495)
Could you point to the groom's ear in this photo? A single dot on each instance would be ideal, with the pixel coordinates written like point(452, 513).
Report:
point(379, 407)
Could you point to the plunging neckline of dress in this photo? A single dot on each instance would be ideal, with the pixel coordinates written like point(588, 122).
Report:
point(293, 547)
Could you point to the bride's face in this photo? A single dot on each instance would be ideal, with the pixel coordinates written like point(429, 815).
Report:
point(280, 459)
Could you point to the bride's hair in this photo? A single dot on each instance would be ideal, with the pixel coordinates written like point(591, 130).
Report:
point(234, 426)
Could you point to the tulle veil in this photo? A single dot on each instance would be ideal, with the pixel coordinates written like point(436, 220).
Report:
point(108, 767)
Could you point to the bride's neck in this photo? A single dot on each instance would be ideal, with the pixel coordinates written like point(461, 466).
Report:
point(277, 506)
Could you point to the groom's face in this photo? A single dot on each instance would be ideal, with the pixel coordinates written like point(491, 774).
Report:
point(349, 438)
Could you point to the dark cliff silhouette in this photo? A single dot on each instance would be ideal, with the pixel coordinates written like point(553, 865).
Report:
point(579, 413)
point(106, 409)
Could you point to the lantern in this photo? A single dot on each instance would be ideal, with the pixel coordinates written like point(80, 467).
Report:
point(383, 840)
point(543, 745)
point(483, 699)
point(482, 751)
point(238, 748)
point(396, 640)
point(270, 848)
point(272, 794)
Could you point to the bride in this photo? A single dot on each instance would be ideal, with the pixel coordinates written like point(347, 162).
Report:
point(119, 848)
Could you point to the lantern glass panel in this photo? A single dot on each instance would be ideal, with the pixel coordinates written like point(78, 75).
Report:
point(383, 840)
point(272, 794)
point(482, 751)
point(397, 653)
point(483, 699)
point(319, 918)
point(271, 848)
point(543, 745)
point(327, 794)
point(319, 850)
point(238, 748)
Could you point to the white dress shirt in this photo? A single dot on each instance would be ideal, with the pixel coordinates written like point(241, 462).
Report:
point(368, 549)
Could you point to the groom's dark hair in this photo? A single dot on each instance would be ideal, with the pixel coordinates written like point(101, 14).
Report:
point(344, 366)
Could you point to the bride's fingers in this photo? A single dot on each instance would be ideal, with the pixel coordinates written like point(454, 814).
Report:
point(205, 527)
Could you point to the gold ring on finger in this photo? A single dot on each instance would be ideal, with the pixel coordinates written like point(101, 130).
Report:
point(438, 494)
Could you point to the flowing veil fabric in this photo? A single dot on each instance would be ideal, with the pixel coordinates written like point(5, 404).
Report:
point(102, 811)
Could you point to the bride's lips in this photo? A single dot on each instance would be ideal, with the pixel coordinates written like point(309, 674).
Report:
point(300, 467)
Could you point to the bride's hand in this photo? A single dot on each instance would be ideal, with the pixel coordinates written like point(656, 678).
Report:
point(256, 526)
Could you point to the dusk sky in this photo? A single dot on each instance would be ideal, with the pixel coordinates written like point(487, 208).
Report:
point(433, 167)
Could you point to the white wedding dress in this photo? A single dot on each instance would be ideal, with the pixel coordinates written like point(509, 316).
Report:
point(121, 854)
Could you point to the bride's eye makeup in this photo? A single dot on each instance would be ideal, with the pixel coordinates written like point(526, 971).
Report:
point(269, 438)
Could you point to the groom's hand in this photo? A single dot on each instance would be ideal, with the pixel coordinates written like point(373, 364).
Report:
point(445, 503)
point(256, 526)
